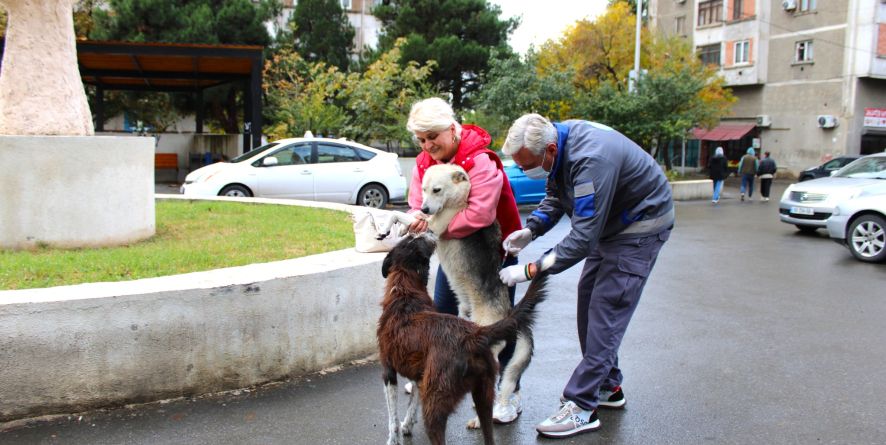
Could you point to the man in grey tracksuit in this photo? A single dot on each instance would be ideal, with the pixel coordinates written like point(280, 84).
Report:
point(619, 202)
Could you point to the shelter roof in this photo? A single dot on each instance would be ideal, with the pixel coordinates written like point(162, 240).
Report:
point(723, 132)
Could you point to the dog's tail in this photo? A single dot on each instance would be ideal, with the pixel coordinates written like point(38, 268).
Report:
point(522, 316)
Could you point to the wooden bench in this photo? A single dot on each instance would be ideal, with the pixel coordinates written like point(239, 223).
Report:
point(166, 160)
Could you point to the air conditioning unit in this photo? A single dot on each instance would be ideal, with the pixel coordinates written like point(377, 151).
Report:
point(827, 121)
point(789, 5)
point(764, 120)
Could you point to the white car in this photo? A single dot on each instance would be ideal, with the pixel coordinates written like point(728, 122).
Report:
point(314, 169)
point(809, 204)
point(860, 224)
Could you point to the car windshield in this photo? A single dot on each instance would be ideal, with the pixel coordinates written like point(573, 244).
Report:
point(251, 153)
point(873, 167)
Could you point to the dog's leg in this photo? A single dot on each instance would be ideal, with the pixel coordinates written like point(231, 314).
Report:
point(390, 379)
point(516, 366)
point(411, 411)
point(483, 394)
point(404, 219)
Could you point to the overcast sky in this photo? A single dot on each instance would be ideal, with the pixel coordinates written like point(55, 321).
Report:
point(545, 19)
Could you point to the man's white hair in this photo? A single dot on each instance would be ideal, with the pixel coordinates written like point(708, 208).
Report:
point(432, 114)
point(532, 131)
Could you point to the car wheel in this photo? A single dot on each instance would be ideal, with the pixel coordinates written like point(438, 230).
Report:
point(237, 191)
point(867, 238)
point(806, 229)
point(373, 195)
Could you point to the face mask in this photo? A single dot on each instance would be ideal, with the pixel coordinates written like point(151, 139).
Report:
point(537, 172)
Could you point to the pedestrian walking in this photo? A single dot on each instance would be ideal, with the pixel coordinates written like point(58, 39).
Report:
point(443, 140)
point(747, 169)
point(718, 170)
point(621, 210)
point(766, 171)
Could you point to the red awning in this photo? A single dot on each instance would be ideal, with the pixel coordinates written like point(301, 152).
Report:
point(723, 132)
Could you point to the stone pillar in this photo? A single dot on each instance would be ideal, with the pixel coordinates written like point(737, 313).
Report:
point(40, 88)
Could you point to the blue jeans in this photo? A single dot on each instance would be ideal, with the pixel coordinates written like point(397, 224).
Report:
point(446, 302)
point(747, 183)
point(718, 187)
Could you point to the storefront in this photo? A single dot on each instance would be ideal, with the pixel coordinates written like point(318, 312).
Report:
point(735, 138)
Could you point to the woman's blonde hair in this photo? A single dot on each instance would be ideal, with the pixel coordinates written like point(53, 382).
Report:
point(432, 114)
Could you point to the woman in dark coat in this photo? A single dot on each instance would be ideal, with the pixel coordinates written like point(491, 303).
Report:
point(718, 171)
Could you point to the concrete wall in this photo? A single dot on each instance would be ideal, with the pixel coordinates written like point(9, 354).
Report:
point(691, 190)
point(75, 191)
point(71, 348)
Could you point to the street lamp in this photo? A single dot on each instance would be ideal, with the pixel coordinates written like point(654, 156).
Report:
point(634, 75)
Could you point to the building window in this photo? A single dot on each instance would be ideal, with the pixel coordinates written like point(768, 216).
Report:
point(737, 12)
point(804, 51)
point(709, 54)
point(346, 5)
point(806, 5)
point(710, 12)
point(680, 25)
point(742, 52)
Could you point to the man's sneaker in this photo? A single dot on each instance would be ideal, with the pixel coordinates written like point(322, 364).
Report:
point(569, 421)
point(507, 411)
point(612, 398)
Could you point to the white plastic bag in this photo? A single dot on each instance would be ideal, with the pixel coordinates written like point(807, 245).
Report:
point(366, 232)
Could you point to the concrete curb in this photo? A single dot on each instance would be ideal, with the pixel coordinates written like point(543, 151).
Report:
point(73, 348)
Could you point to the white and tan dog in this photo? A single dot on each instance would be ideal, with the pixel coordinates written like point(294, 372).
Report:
point(471, 264)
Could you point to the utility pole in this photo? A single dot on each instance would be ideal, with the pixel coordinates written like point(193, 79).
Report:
point(634, 76)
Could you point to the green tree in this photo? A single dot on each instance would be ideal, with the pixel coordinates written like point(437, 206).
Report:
point(322, 32)
point(458, 34)
point(677, 93)
point(302, 96)
point(379, 99)
point(514, 87)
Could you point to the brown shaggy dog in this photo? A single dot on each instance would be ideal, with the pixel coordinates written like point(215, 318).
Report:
point(447, 356)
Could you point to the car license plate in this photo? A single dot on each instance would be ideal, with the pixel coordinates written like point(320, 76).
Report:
point(802, 211)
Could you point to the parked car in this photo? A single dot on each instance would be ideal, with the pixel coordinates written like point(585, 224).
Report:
point(809, 204)
point(310, 168)
point(860, 224)
point(824, 170)
point(526, 191)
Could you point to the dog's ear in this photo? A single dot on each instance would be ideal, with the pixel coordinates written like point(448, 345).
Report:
point(386, 265)
point(459, 176)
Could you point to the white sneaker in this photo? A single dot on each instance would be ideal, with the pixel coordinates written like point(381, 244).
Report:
point(569, 421)
point(507, 411)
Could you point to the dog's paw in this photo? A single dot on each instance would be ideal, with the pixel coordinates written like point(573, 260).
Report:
point(474, 423)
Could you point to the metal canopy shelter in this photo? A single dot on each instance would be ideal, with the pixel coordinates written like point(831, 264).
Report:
point(175, 67)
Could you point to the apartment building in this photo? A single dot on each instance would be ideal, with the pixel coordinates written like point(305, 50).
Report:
point(810, 75)
point(366, 26)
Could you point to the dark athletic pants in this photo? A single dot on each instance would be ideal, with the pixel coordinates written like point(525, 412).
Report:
point(608, 292)
point(446, 302)
point(765, 185)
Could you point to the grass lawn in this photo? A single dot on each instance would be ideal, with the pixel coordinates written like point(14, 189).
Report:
point(191, 236)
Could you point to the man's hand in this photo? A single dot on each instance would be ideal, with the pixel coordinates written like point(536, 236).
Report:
point(516, 241)
point(420, 224)
point(512, 275)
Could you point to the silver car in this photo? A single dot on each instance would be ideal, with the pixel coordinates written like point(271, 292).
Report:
point(809, 204)
point(860, 224)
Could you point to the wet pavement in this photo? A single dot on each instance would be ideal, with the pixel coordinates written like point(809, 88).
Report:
point(748, 332)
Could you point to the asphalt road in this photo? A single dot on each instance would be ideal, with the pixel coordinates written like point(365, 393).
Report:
point(748, 332)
